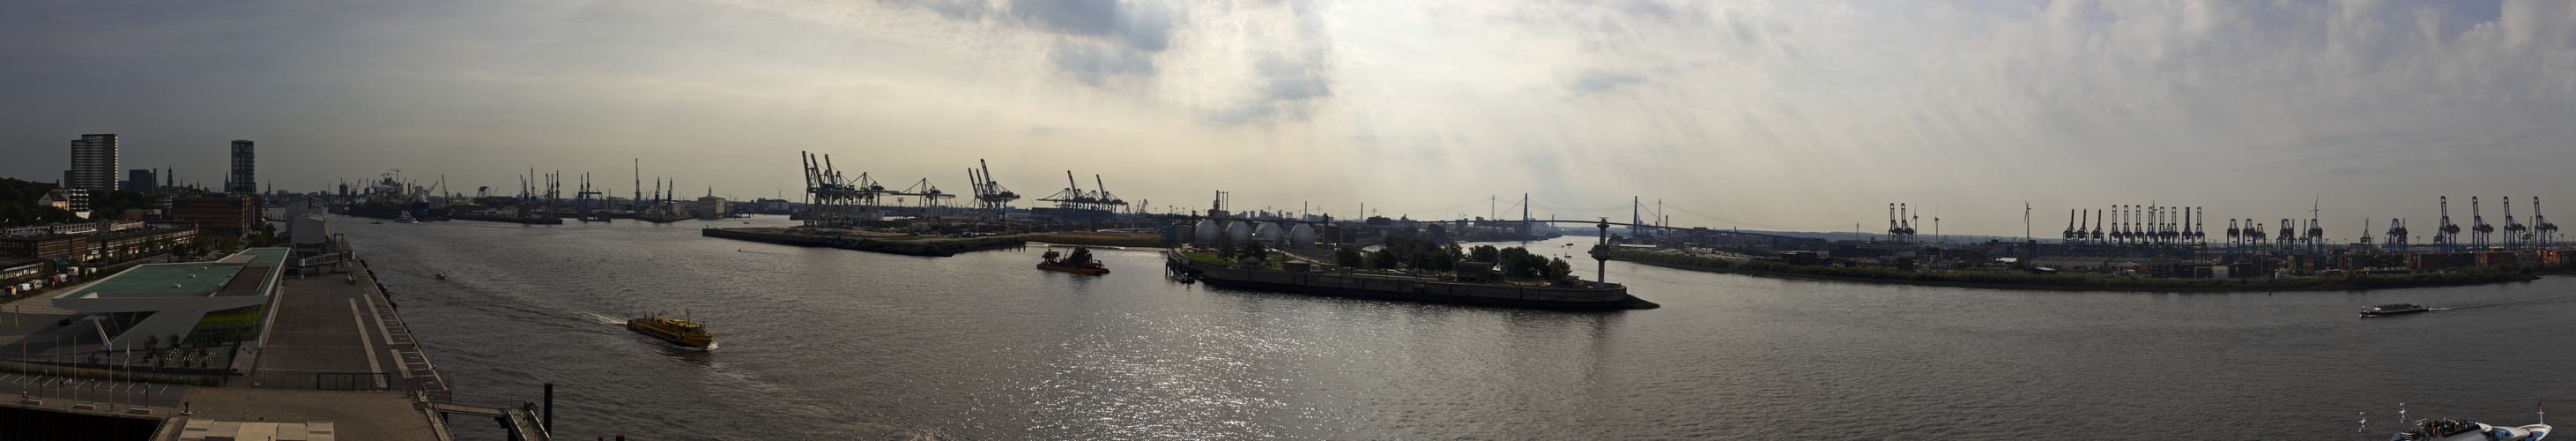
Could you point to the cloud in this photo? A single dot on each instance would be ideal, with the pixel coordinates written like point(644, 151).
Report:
point(1597, 80)
point(1098, 66)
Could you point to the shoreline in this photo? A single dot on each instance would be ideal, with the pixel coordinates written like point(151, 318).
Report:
point(2216, 287)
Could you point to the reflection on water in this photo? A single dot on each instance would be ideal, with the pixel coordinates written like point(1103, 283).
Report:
point(825, 343)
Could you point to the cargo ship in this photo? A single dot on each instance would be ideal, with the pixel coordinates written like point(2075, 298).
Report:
point(1475, 289)
point(679, 331)
point(390, 199)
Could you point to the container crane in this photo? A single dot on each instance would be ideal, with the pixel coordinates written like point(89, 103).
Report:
point(2447, 236)
point(2478, 227)
point(2516, 235)
point(2541, 225)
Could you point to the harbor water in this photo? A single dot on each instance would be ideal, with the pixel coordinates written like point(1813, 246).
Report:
point(835, 344)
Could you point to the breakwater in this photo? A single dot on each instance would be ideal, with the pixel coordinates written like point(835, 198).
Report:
point(509, 219)
point(941, 247)
point(2067, 282)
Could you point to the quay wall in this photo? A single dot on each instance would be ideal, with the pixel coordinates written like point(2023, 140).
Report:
point(943, 248)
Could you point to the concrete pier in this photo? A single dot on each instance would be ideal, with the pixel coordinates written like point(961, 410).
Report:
point(331, 350)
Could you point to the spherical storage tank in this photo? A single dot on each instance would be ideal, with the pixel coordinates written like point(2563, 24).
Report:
point(1238, 232)
point(1305, 234)
point(1269, 232)
point(1207, 231)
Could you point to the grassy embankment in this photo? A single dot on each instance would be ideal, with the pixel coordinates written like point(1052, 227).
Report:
point(1139, 240)
point(1271, 260)
point(2466, 276)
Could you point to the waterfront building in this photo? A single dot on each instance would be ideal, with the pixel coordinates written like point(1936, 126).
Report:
point(69, 199)
point(245, 178)
point(93, 163)
point(92, 240)
point(218, 215)
point(161, 300)
point(140, 180)
point(711, 207)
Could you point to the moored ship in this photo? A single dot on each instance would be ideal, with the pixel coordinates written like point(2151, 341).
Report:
point(1480, 291)
point(679, 331)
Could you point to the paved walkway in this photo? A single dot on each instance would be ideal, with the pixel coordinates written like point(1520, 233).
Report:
point(328, 324)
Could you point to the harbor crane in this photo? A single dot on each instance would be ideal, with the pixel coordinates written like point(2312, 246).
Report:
point(834, 200)
point(2541, 225)
point(2396, 235)
point(2289, 238)
point(989, 194)
point(931, 198)
point(2516, 235)
point(2476, 225)
point(2233, 234)
point(2447, 236)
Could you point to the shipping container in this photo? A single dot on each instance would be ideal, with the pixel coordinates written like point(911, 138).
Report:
point(2495, 258)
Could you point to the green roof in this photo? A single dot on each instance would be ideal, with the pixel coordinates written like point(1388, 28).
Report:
point(208, 276)
point(267, 256)
point(158, 278)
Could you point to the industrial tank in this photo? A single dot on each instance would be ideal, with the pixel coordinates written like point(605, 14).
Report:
point(1206, 231)
point(1269, 232)
point(1304, 234)
point(1238, 232)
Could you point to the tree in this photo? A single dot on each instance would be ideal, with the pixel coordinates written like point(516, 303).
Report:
point(1484, 253)
point(1557, 269)
point(1349, 257)
point(1435, 234)
point(1384, 258)
point(1518, 262)
point(1254, 250)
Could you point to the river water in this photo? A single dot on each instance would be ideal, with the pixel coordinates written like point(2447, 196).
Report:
point(837, 344)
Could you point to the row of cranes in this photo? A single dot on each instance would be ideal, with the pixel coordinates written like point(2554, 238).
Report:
point(1074, 198)
point(2518, 236)
point(834, 199)
point(2139, 225)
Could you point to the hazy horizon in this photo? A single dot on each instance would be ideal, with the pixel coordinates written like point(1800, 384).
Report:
point(1769, 115)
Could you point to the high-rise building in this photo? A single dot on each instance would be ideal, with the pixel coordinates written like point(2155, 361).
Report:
point(245, 179)
point(141, 180)
point(93, 163)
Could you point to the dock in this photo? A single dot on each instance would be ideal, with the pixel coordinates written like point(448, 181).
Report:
point(332, 352)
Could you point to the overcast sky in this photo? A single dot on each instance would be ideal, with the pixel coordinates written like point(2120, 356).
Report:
point(1802, 114)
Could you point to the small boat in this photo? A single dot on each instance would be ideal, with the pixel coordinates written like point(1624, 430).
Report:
point(2393, 309)
point(1184, 278)
point(678, 331)
point(376, 223)
point(405, 218)
point(1079, 262)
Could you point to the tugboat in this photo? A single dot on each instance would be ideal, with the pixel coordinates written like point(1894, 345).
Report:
point(2393, 309)
point(678, 331)
point(1077, 263)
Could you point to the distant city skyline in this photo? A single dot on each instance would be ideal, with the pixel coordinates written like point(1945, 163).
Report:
point(1764, 115)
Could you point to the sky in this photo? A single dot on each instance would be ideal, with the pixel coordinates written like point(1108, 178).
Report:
point(1805, 115)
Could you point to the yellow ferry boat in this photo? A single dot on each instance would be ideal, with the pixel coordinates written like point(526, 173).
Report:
point(678, 331)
